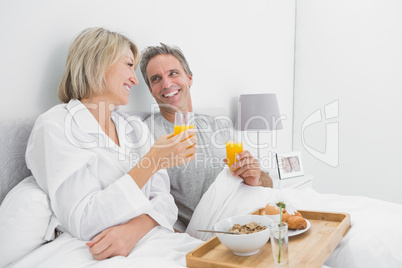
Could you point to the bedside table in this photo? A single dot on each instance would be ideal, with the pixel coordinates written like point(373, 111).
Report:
point(300, 182)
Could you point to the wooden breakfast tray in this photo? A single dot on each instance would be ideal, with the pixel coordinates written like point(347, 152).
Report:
point(309, 249)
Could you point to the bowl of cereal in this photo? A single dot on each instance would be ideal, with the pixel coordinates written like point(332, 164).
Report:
point(253, 233)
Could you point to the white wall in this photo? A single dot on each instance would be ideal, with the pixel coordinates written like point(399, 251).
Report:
point(233, 48)
point(349, 51)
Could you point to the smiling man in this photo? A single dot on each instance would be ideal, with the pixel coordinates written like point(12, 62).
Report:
point(169, 78)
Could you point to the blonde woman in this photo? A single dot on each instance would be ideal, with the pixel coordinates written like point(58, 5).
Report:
point(94, 162)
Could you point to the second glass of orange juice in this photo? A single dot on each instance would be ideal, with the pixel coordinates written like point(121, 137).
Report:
point(233, 148)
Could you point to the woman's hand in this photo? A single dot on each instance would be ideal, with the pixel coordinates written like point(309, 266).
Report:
point(121, 239)
point(169, 150)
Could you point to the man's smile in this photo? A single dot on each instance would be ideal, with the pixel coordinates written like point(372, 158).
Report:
point(171, 93)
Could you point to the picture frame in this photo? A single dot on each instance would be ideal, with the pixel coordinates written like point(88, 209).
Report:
point(289, 165)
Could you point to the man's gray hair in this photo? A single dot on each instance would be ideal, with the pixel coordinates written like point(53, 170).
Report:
point(153, 51)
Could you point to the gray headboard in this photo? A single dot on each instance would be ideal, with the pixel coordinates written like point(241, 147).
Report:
point(13, 142)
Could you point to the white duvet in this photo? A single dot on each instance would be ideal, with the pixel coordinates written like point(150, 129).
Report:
point(159, 248)
point(372, 241)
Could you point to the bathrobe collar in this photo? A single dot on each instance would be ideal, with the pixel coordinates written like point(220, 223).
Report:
point(87, 122)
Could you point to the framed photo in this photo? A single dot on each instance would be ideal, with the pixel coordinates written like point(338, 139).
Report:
point(289, 165)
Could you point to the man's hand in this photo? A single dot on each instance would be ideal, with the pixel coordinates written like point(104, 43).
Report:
point(121, 239)
point(247, 168)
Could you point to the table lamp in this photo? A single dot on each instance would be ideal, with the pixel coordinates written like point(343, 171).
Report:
point(258, 112)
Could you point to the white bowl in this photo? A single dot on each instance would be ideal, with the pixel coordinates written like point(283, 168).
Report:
point(244, 244)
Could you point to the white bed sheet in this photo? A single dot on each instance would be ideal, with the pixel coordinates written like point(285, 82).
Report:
point(372, 241)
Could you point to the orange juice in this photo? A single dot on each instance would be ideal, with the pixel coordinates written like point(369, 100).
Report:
point(232, 150)
point(180, 128)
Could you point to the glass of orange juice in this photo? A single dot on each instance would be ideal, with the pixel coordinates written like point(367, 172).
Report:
point(183, 121)
point(234, 147)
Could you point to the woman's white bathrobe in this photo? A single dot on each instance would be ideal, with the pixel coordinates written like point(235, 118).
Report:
point(84, 172)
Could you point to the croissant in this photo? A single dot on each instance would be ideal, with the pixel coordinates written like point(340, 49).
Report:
point(285, 215)
point(296, 222)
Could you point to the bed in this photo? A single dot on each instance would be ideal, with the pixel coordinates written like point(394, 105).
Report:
point(372, 241)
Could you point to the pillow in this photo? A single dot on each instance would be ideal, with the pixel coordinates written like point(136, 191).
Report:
point(25, 215)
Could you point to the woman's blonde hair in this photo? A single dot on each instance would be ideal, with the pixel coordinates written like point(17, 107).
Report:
point(90, 55)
